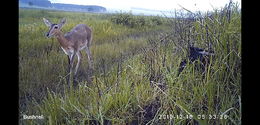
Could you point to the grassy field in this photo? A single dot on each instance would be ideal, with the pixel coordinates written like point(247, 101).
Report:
point(136, 60)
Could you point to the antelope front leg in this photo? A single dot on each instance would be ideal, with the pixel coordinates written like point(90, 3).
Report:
point(68, 68)
point(79, 60)
point(89, 58)
point(91, 67)
point(71, 76)
point(71, 63)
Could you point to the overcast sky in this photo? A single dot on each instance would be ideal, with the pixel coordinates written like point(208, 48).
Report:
point(163, 5)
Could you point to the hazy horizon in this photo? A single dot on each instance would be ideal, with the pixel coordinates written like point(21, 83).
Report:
point(162, 5)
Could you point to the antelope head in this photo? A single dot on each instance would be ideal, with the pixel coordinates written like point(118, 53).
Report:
point(53, 28)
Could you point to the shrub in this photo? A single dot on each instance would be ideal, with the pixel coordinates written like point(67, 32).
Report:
point(133, 21)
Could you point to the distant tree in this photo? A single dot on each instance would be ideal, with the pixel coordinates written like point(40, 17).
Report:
point(30, 3)
point(90, 9)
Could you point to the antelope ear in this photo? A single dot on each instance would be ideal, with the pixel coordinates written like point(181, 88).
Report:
point(62, 22)
point(47, 22)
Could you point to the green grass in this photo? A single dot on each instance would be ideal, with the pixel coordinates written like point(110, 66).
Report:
point(136, 70)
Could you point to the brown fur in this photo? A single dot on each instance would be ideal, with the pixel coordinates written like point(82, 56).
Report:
point(72, 42)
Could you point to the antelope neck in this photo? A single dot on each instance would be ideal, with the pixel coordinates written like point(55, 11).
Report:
point(62, 40)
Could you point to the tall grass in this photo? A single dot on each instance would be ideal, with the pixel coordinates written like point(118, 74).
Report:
point(141, 87)
point(43, 65)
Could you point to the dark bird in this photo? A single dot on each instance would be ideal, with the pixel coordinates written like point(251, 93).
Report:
point(196, 54)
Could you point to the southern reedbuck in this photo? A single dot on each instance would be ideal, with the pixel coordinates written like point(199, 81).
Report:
point(79, 38)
